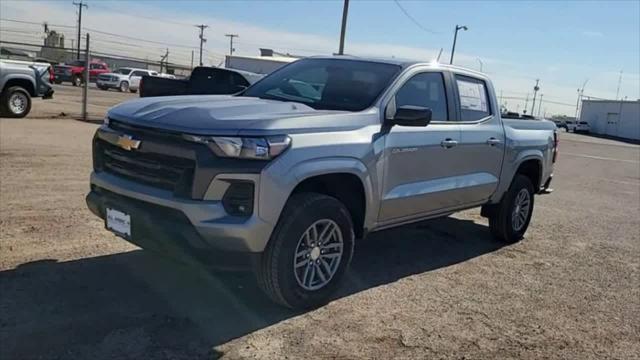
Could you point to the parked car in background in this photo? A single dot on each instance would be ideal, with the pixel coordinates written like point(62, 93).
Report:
point(62, 73)
point(74, 71)
point(203, 81)
point(287, 179)
point(19, 82)
point(578, 127)
point(124, 79)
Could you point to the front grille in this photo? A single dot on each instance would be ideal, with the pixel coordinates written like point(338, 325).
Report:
point(158, 170)
point(105, 77)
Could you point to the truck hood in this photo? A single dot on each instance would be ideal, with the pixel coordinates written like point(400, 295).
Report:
point(115, 74)
point(227, 114)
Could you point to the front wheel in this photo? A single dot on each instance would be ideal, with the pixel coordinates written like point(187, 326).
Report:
point(512, 215)
point(308, 253)
point(124, 86)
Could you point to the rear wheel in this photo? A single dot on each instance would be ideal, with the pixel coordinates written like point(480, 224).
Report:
point(510, 219)
point(16, 102)
point(308, 253)
point(76, 80)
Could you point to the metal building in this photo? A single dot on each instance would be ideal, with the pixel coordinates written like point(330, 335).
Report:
point(613, 118)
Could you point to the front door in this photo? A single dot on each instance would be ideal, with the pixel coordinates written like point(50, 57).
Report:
point(482, 144)
point(420, 162)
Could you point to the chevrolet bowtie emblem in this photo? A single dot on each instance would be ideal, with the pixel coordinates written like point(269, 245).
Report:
point(128, 143)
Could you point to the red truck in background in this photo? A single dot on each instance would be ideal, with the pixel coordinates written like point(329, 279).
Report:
point(73, 72)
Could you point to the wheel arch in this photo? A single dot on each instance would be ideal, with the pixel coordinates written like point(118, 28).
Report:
point(323, 176)
point(24, 82)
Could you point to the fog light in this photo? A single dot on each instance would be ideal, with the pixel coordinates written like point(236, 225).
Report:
point(238, 199)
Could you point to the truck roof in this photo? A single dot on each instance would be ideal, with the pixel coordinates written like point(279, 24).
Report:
point(401, 62)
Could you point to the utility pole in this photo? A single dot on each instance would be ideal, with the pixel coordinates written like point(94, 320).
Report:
point(191, 59)
point(202, 39)
point(619, 82)
point(535, 91)
point(526, 102)
point(455, 38)
point(165, 60)
point(481, 64)
point(540, 104)
point(231, 36)
point(580, 93)
point(343, 30)
point(80, 5)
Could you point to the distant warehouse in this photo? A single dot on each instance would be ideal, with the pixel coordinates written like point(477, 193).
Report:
point(267, 62)
point(613, 118)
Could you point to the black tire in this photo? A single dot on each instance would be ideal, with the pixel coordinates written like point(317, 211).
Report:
point(501, 220)
point(133, 91)
point(275, 270)
point(8, 96)
point(57, 82)
point(76, 80)
point(103, 88)
point(124, 86)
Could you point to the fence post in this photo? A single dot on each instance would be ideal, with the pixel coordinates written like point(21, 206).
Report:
point(85, 88)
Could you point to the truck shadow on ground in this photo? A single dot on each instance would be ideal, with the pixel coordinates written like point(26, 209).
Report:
point(137, 305)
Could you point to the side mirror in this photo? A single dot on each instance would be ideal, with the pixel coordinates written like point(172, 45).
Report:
point(409, 115)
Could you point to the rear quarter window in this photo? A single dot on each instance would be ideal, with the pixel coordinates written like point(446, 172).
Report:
point(473, 98)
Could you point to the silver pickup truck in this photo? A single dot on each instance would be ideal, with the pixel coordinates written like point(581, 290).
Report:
point(289, 173)
point(19, 82)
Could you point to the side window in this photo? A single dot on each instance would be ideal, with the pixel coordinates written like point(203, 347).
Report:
point(93, 66)
point(474, 99)
point(138, 73)
point(425, 90)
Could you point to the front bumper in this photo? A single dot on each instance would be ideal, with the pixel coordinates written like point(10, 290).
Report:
point(108, 83)
point(178, 226)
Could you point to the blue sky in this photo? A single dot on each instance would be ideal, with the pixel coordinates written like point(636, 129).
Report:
point(562, 43)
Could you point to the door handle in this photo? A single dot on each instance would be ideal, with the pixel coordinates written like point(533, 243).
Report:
point(448, 143)
point(493, 141)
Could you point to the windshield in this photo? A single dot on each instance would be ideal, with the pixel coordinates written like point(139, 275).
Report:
point(123, 71)
point(328, 84)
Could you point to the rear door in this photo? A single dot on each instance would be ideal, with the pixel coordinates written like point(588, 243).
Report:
point(420, 162)
point(482, 143)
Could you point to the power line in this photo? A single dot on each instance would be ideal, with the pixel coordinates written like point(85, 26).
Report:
point(413, 19)
point(36, 23)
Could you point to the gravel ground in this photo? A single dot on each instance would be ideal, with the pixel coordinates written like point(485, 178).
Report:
point(67, 102)
point(438, 289)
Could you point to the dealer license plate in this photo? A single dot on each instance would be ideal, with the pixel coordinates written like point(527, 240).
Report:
point(118, 222)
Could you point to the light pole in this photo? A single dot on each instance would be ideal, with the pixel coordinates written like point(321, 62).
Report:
point(455, 38)
point(343, 29)
point(480, 61)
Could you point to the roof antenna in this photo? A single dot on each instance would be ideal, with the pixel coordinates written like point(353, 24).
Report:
point(439, 54)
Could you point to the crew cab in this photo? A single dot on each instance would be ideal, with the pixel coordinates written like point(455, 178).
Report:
point(19, 82)
point(325, 150)
point(124, 79)
point(74, 71)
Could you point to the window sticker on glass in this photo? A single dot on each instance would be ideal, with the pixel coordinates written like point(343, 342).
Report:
point(472, 96)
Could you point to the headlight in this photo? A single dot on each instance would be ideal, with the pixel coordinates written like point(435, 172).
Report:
point(256, 148)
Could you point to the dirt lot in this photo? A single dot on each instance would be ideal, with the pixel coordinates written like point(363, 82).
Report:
point(67, 102)
point(439, 289)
